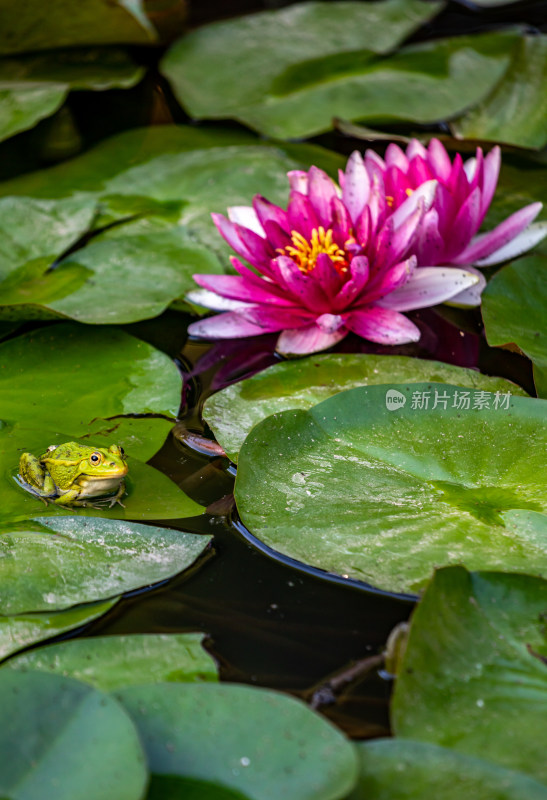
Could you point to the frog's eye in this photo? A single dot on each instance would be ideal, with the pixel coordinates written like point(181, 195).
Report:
point(95, 458)
point(122, 451)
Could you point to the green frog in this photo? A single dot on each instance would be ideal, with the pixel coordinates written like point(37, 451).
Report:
point(70, 474)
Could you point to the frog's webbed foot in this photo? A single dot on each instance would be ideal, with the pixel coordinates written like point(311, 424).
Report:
point(117, 497)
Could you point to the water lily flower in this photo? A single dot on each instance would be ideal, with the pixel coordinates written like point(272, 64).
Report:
point(448, 232)
point(332, 262)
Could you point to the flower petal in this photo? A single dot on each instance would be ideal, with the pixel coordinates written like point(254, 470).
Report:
point(529, 237)
point(302, 217)
point(249, 321)
point(425, 193)
point(470, 297)
point(214, 301)
point(309, 339)
point(356, 185)
point(492, 164)
point(305, 291)
point(269, 212)
point(298, 181)
point(246, 216)
point(429, 286)
point(487, 243)
point(464, 226)
point(228, 231)
point(238, 288)
point(439, 160)
point(321, 190)
point(394, 156)
point(416, 148)
point(382, 325)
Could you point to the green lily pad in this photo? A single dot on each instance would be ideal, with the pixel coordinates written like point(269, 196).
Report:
point(33, 87)
point(513, 308)
point(515, 110)
point(55, 563)
point(276, 746)
point(399, 769)
point(19, 632)
point(110, 662)
point(66, 740)
point(63, 24)
point(302, 37)
point(170, 787)
point(474, 675)
point(373, 485)
point(332, 75)
point(232, 412)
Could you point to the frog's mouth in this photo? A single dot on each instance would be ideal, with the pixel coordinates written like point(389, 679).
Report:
point(108, 476)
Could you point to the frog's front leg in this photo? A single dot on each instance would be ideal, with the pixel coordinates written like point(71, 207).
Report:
point(69, 498)
point(36, 476)
point(117, 497)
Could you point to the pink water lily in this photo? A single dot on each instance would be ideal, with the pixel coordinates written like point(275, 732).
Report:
point(447, 234)
point(332, 262)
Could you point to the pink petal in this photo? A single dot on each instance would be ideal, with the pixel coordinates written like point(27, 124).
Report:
point(471, 297)
point(416, 148)
point(492, 164)
point(298, 181)
point(425, 193)
point(419, 171)
point(501, 235)
point(363, 227)
point(228, 231)
point(303, 288)
point(405, 234)
point(377, 204)
point(359, 272)
point(464, 225)
point(246, 216)
point(356, 185)
point(429, 244)
point(238, 288)
point(395, 157)
point(429, 286)
point(305, 340)
point(253, 279)
point(276, 235)
point(529, 237)
point(326, 275)
point(251, 321)
point(341, 222)
point(268, 212)
point(389, 281)
point(439, 160)
point(302, 217)
point(382, 325)
point(214, 301)
point(321, 190)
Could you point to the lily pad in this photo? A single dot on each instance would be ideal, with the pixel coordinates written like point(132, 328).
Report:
point(384, 483)
point(232, 412)
point(66, 740)
point(55, 563)
point(19, 632)
point(474, 675)
point(399, 769)
point(516, 109)
point(514, 309)
point(169, 787)
point(110, 662)
point(303, 36)
point(298, 99)
point(33, 87)
point(276, 746)
point(64, 24)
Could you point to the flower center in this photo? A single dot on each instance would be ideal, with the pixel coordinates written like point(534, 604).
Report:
point(304, 253)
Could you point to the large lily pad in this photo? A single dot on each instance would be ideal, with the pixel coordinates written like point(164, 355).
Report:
point(372, 484)
point(514, 309)
point(232, 412)
point(276, 746)
point(516, 109)
point(398, 769)
point(36, 26)
point(19, 632)
point(55, 563)
point(66, 740)
point(34, 87)
point(301, 37)
point(110, 662)
point(474, 676)
point(300, 98)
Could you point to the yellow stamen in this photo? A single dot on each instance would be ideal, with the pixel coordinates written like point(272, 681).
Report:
point(390, 200)
point(304, 253)
point(409, 192)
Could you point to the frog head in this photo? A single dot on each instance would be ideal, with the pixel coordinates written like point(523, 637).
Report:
point(67, 462)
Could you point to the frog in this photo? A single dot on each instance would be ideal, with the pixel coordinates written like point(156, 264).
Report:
point(72, 474)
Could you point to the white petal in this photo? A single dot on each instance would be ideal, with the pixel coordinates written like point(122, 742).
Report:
point(425, 192)
point(246, 216)
point(520, 244)
point(214, 301)
point(469, 168)
point(429, 286)
point(470, 297)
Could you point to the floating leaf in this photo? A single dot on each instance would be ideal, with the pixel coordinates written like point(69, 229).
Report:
point(35, 86)
point(399, 769)
point(514, 307)
point(516, 109)
point(372, 484)
point(232, 412)
point(55, 563)
point(38, 27)
point(474, 675)
point(298, 94)
point(169, 787)
point(16, 633)
point(66, 740)
point(277, 747)
point(303, 37)
point(110, 662)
